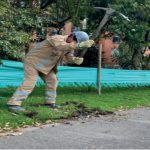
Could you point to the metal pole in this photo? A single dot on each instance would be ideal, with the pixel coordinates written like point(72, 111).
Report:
point(99, 69)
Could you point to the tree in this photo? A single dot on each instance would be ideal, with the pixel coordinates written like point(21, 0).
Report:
point(19, 17)
point(132, 32)
point(16, 22)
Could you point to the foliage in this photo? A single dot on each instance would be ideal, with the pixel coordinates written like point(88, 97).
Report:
point(124, 57)
point(132, 32)
point(15, 25)
point(18, 18)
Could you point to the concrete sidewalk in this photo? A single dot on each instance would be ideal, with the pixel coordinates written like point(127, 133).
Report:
point(126, 130)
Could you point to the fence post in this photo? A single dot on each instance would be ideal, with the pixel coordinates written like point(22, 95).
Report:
point(99, 69)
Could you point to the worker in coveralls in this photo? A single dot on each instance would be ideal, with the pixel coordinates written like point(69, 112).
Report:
point(43, 60)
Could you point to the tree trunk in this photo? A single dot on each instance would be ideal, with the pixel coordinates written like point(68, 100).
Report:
point(136, 59)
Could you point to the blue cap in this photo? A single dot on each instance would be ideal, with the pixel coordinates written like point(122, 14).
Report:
point(81, 36)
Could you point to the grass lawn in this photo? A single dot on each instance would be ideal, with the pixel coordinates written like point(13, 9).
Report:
point(71, 98)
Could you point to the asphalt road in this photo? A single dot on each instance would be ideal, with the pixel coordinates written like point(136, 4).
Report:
point(126, 130)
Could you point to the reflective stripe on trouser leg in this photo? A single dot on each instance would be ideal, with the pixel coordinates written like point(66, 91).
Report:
point(50, 97)
point(51, 86)
point(30, 78)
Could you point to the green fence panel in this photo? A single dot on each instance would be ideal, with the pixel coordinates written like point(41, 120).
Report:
point(11, 74)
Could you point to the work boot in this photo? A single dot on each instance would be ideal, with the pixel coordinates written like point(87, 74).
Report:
point(19, 109)
point(53, 105)
point(15, 108)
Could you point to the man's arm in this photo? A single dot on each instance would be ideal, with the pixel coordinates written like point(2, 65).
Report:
point(59, 43)
point(69, 57)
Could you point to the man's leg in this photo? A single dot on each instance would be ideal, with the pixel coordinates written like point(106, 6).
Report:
point(30, 78)
point(51, 86)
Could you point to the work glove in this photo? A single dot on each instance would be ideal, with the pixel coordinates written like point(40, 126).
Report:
point(86, 44)
point(78, 60)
